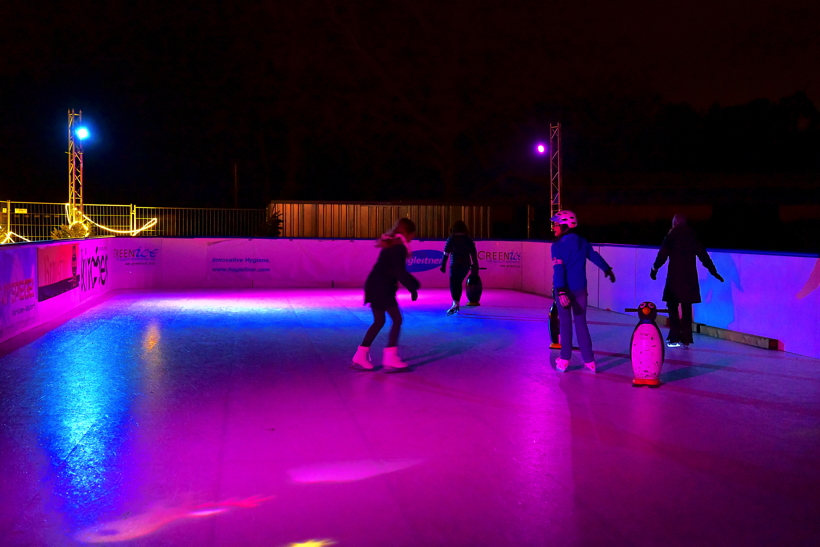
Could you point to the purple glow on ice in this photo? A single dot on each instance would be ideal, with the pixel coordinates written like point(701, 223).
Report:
point(347, 471)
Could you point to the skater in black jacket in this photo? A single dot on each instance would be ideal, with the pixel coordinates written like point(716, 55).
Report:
point(380, 292)
point(463, 259)
point(682, 289)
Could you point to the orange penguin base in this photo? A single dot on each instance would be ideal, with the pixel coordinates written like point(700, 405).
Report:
point(651, 382)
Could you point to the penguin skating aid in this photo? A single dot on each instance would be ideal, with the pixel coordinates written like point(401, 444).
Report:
point(646, 349)
point(474, 289)
point(555, 327)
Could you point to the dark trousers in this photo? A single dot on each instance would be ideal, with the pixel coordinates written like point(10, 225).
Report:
point(680, 322)
point(457, 274)
point(378, 323)
point(577, 312)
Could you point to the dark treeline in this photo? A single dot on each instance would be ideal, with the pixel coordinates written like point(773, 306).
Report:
point(376, 101)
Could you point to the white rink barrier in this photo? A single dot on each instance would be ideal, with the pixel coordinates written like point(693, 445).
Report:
point(774, 296)
point(41, 281)
point(767, 295)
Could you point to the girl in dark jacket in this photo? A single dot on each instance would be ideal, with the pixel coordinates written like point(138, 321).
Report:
point(380, 292)
point(463, 259)
point(681, 246)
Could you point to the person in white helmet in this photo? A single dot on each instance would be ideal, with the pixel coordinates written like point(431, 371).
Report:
point(569, 256)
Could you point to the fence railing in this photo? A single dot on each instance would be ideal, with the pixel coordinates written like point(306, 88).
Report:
point(370, 220)
point(35, 221)
point(32, 220)
point(193, 222)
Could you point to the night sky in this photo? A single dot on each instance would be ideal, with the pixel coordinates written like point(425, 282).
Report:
point(376, 100)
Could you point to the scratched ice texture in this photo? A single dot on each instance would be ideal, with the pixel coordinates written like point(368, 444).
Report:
point(231, 418)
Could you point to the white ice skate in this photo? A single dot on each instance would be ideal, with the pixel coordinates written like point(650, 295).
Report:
point(361, 361)
point(392, 362)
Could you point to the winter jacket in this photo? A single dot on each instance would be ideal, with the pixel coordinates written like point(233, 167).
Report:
point(681, 246)
point(462, 250)
point(383, 281)
point(569, 262)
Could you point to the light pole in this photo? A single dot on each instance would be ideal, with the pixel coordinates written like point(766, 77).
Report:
point(540, 150)
point(555, 168)
point(76, 134)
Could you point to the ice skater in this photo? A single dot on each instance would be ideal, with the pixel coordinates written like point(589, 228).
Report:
point(463, 259)
point(569, 277)
point(380, 292)
point(681, 246)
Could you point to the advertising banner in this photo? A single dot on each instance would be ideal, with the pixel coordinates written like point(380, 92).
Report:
point(18, 302)
point(234, 263)
point(502, 260)
point(57, 270)
point(135, 263)
point(499, 263)
point(94, 269)
point(424, 263)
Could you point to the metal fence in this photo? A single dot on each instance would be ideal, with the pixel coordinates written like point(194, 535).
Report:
point(35, 221)
point(370, 220)
point(193, 222)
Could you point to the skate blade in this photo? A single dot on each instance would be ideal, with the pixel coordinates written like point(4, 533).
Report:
point(395, 370)
point(359, 368)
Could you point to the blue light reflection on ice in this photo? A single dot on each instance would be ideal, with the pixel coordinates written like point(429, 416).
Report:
point(85, 401)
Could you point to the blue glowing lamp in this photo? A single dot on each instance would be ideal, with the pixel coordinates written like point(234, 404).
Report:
point(81, 133)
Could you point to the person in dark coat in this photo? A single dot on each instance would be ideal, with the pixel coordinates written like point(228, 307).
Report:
point(463, 259)
point(380, 292)
point(680, 247)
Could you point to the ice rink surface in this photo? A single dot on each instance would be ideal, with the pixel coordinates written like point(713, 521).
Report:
point(231, 418)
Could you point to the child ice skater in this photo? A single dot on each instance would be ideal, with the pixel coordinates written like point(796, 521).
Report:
point(463, 259)
point(569, 256)
point(380, 292)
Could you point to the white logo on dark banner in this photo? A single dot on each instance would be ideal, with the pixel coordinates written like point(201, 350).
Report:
point(423, 260)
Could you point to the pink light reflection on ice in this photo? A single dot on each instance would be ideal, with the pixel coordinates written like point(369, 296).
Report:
point(347, 471)
point(132, 527)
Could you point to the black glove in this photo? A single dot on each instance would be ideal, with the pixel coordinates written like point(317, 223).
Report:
point(610, 274)
point(443, 267)
point(414, 295)
point(563, 298)
point(474, 269)
point(717, 276)
point(654, 274)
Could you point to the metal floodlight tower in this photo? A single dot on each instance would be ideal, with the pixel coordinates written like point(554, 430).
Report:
point(75, 168)
point(555, 168)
